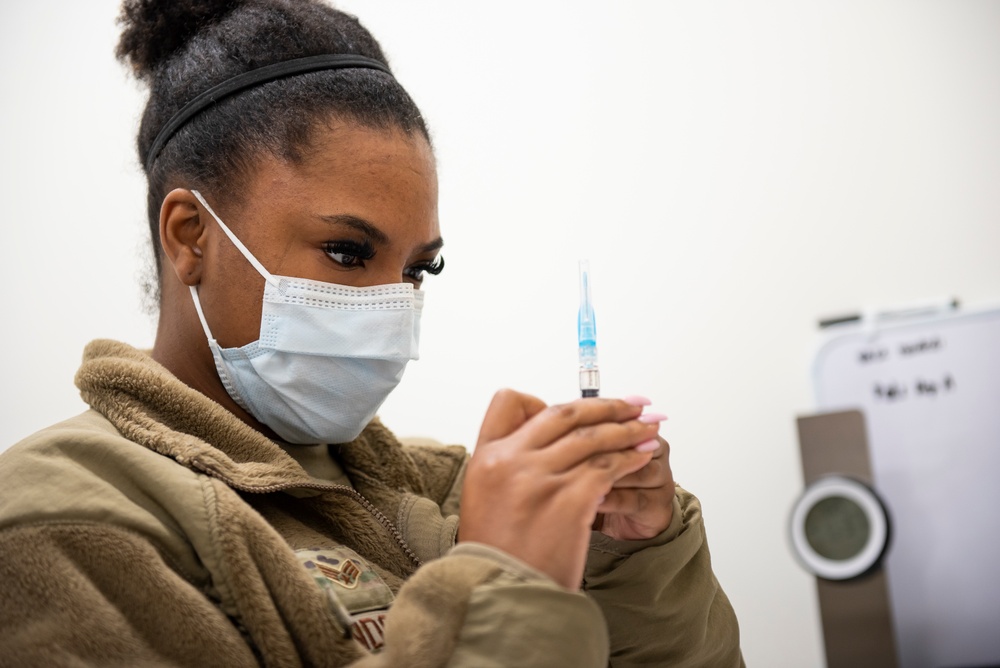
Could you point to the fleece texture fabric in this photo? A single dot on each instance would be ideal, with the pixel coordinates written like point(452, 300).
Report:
point(157, 529)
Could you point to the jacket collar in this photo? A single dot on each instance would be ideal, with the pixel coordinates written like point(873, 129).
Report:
point(151, 407)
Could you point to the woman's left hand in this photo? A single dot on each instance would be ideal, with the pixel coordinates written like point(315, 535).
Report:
point(640, 505)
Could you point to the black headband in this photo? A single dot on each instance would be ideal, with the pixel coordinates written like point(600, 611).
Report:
point(254, 78)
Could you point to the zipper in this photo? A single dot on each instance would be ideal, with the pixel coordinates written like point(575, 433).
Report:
point(343, 490)
point(380, 516)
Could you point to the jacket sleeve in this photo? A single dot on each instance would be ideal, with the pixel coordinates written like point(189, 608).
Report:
point(474, 605)
point(92, 594)
point(661, 600)
point(477, 606)
point(70, 598)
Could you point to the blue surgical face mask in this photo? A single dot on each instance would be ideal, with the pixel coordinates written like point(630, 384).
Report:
point(327, 357)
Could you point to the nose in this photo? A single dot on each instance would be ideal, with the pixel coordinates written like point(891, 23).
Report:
point(390, 270)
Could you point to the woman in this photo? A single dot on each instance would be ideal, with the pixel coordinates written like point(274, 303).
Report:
point(230, 498)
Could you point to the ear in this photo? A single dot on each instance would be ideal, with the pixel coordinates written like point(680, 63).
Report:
point(182, 234)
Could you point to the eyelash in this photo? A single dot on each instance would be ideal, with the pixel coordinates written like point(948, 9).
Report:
point(360, 252)
point(433, 268)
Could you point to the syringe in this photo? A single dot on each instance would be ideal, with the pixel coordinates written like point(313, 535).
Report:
point(590, 377)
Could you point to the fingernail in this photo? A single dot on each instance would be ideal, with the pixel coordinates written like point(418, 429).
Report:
point(648, 446)
point(651, 418)
point(636, 400)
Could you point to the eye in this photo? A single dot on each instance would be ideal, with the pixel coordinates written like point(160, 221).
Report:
point(416, 272)
point(349, 253)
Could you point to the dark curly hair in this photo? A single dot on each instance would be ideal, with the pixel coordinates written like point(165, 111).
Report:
point(180, 48)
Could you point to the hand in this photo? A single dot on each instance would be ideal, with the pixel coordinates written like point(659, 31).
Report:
point(641, 504)
point(539, 474)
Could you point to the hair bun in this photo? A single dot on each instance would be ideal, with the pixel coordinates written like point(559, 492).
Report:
point(153, 30)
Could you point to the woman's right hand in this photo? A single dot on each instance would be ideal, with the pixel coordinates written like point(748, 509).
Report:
point(539, 473)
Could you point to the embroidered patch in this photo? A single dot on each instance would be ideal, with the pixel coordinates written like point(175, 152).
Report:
point(346, 573)
point(369, 630)
point(357, 594)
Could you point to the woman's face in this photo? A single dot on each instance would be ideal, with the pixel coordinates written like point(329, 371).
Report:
point(360, 210)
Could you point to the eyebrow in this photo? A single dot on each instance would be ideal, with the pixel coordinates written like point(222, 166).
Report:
point(432, 246)
point(359, 224)
point(374, 233)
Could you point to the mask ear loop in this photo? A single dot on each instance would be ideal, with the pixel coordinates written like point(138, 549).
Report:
point(239, 244)
point(242, 249)
point(201, 314)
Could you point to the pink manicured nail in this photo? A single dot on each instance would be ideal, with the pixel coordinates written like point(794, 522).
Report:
point(648, 446)
point(636, 400)
point(651, 418)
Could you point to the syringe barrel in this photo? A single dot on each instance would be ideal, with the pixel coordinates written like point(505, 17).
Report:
point(590, 379)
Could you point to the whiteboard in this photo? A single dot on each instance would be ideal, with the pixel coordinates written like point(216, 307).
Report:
point(930, 392)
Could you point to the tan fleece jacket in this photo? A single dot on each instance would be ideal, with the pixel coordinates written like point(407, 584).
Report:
point(157, 529)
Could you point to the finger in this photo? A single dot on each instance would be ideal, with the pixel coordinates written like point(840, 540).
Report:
point(584, 442)
point(642, 506)
point(584, 488)
point(597, 475)
point(653, 475)
point(507, 411)
point(658, 469)
point(556, 421)
point(664, 450)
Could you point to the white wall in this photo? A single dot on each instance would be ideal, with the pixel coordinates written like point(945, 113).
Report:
point(733, 171)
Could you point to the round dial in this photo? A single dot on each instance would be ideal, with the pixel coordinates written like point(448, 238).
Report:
point(839, 528)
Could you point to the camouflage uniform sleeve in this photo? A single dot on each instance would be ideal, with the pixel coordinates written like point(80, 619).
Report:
point(660, 597)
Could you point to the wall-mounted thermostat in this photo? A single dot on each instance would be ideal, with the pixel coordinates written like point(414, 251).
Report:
point(839, 528)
